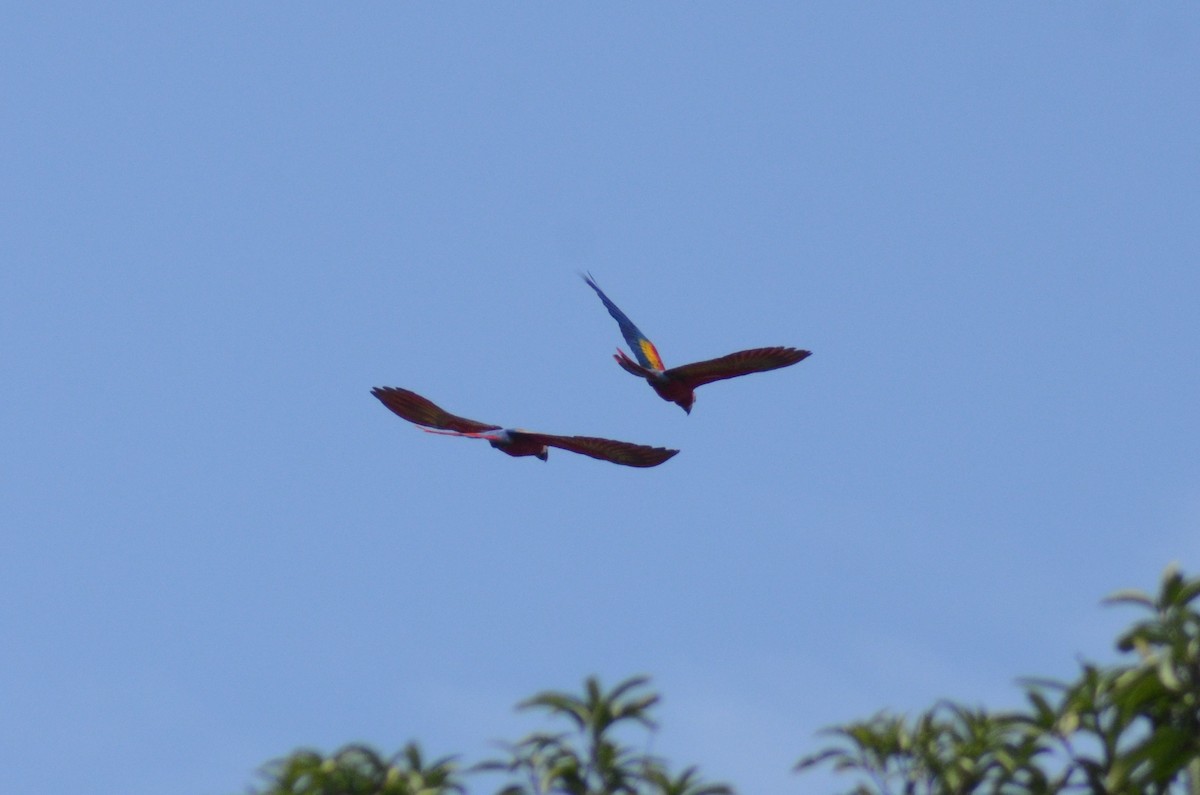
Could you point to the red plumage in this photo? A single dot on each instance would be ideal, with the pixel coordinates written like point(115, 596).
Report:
point(422, 411)
point(678, 384)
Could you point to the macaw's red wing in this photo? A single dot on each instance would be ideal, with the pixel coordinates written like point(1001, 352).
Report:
point(626, 453)
point(415, 408)
point(756, 360)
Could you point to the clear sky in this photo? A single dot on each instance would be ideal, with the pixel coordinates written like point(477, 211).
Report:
point(224, 224)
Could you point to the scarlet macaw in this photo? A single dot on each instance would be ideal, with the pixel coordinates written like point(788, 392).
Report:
point(513, 441)
point(678, 384)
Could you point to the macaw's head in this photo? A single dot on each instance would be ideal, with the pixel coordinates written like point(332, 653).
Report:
point(544, 454)
point(686, 402)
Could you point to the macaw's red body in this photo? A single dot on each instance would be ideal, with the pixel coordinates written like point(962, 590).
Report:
point(513, 441)
point(678, 384)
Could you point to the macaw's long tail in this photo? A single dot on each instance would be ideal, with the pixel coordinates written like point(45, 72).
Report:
point(630, 366)
point(475, 435)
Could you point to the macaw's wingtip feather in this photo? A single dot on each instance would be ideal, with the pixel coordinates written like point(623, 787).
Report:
point(645, 459)
point(786, 355)
point(590, 281)
point(389, 393)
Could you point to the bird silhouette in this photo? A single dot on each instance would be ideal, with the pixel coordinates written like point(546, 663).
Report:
point(678, 384)
point(514, 441)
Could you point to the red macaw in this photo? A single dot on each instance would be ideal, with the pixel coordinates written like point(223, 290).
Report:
point(513, 441)
point(678, 384)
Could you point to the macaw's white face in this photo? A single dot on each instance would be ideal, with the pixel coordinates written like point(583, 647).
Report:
point(499, 439)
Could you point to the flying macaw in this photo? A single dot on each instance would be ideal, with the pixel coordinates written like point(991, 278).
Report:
point(513, 441)
point(678, 384)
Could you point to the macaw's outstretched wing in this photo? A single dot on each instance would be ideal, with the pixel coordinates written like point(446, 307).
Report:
point(756, 360)
point(415, 408)
point(643, 348)
point(626, 453)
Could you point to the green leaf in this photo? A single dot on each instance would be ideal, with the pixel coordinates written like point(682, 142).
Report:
point(1189, 593)
point(1068, 722)
point(1129, 596)
point(821, 756)
point(1166, 674)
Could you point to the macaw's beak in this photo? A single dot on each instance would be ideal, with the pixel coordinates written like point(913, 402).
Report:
point(544, 455)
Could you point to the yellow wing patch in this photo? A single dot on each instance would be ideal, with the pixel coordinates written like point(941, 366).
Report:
point(651, 353)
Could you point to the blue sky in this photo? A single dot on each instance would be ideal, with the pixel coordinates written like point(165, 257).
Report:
point(223, 225)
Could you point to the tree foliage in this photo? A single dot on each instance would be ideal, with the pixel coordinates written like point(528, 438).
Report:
point(1132, 728)
point(588, 759)
point(1126, 729)
point(359, 770)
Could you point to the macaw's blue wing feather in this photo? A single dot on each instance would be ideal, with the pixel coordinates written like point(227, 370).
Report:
point(643, 348)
